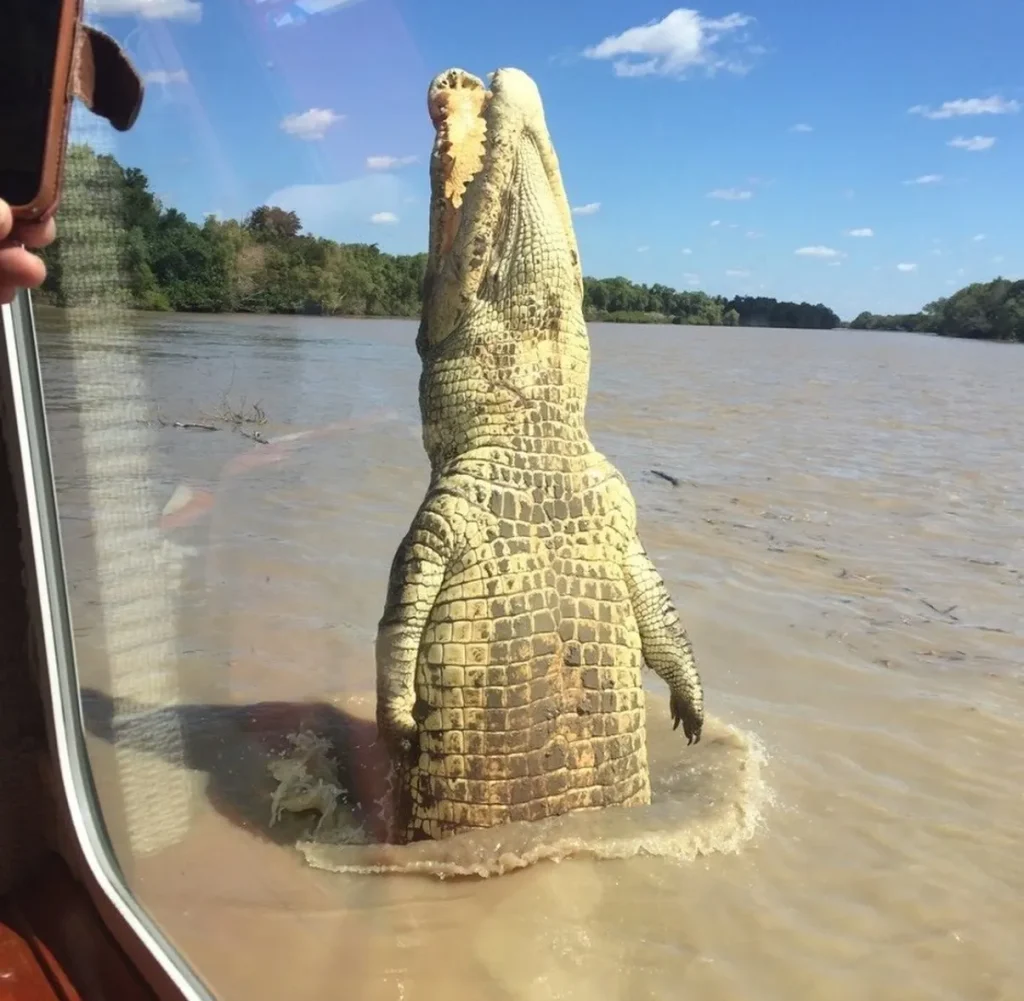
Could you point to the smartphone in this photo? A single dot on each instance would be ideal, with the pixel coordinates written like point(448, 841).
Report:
point(35, 101)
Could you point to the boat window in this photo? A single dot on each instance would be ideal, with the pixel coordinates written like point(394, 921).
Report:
point(305, 397)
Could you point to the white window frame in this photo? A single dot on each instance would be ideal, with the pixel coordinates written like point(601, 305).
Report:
point(68, 730)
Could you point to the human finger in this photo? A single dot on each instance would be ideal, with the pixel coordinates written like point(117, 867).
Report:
point(19, 268)
point(35, 235)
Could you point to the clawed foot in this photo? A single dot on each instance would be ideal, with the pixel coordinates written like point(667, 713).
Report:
point(692, 717)
point(396, 729)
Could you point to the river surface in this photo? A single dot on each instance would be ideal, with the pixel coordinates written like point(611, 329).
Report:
point(845, 542)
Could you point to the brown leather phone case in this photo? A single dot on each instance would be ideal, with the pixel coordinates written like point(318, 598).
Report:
point(91, 66)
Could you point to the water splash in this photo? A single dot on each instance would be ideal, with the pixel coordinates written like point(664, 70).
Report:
point(705, 800)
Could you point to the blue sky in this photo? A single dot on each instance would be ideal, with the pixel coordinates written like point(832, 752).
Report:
point(865, 154)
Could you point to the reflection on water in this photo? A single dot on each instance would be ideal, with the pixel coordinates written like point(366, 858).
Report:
point(846, 544)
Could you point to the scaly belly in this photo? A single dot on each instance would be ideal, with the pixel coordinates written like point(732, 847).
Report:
point(529, 699)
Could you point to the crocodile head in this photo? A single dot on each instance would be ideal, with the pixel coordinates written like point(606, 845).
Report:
point(502, 334)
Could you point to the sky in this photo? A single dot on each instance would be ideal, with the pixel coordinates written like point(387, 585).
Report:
point(867, 154)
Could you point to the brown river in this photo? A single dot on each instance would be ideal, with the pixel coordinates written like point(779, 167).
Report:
point(844, 540)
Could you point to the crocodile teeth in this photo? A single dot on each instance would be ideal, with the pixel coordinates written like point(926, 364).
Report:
point(456, 101)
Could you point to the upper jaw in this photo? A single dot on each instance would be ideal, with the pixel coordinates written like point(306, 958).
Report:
point(478, 132)
point(470, 120)
point(457, 102)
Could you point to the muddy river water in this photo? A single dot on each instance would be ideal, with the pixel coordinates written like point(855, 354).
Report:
point(844, 540)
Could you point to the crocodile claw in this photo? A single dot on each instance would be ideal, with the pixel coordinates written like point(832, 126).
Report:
point(683, 711)
point(396, 729)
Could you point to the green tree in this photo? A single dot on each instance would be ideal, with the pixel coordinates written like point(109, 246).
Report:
point(267, 222)
point(192, 269)
point(992, 310)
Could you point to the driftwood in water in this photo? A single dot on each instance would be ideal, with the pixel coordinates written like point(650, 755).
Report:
point(193, 426)
point(666, 476)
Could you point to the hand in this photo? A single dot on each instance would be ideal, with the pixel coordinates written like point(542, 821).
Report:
point(692, 717)
point(18, 267)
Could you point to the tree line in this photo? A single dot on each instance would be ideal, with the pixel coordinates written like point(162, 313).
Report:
point(619, 299)
point(991, 311)
point(265, 263)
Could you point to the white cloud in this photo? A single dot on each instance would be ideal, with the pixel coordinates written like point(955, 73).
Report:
point(322, 6)
point(834, 264)
point(968, 106)
point(731, 194)
point(312, 124)
point(906, 267)
point(925, 179)
point(753, 234)
point(383, 218)
point(679, 42)
point(589, 209)
point(863, 231)
point(817, 252)
point(643, 249)
point(998, 259)
point(300, 11)
point(389, 162)
point(715, 222)
point(978, 237)
point(334, 210)
point(165, 77)
point(801, 127)
point(973, 144)
point(935, 252)
point(691, 278)
point(736, 273)
point(687, 250)
point(170, 10)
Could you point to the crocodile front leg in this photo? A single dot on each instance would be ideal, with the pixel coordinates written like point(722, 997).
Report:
point(666, 647)
point(417, 573)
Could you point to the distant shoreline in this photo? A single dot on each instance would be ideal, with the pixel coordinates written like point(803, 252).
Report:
point(41, 299)
point(265, 265)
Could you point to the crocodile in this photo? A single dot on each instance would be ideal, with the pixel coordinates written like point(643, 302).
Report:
point(521, 605)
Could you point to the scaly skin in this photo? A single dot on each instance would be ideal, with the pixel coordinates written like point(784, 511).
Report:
point(521, 603)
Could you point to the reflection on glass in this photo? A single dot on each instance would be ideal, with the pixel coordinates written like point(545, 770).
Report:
point(227, 344)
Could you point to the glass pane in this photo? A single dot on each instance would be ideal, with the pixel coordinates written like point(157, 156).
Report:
point(233, 364)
